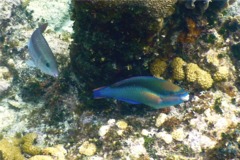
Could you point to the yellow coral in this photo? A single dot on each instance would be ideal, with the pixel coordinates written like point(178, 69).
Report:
point(204, 79)
point(158, 67)
point(28, 146)
point(221, 74)
point(191, 72)
point(196, 74)
point(9, 150)
point(177, 65)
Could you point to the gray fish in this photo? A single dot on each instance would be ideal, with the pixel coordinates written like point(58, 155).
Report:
point(41, 54)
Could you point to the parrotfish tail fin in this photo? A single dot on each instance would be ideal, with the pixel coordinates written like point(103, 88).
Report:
point(97, 93)
point(43, 27)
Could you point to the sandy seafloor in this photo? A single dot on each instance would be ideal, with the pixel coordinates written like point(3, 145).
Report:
point(207, 127)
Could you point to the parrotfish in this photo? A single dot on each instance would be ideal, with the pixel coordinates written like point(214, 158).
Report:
point(41, 54)
point(154, 92)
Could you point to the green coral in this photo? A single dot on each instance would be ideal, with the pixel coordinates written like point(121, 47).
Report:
point(158, 67)
point(177, 65)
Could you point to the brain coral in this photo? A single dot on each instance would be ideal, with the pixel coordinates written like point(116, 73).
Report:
point(9, 150)
point(157, 67)
point(195, 74)
point(221, 74)
point(177, 65)
point(28, 146)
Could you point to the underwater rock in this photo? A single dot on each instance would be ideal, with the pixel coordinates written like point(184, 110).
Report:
point(178, 134)
point(109, 39)
point(160, 119)
point(57, 13)
point(165, 136)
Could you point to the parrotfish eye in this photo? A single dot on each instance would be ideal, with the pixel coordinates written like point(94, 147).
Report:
point(47, 64)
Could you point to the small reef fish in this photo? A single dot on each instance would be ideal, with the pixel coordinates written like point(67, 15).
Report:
point(154, 92)
point(41, 54)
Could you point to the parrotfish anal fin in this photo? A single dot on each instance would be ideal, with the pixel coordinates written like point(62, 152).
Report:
point(154, 98)
point(128, 101)
point(43, 27)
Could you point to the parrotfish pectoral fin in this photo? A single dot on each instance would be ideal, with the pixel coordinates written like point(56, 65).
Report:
point(152, 97)
point(97, 93)
point(128, 101)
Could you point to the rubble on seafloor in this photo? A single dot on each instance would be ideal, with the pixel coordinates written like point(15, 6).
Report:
point(193, 44)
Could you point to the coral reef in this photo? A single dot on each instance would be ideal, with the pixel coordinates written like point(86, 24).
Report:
point(114, 40)
point(111, 35)
point(192, 72)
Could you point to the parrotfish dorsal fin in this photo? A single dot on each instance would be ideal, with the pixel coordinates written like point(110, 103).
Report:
point(43, 27)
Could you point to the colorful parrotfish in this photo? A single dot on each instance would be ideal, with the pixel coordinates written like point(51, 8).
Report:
point(154, 92)
point(41, 54)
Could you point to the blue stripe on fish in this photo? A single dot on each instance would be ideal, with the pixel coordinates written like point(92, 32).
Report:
point(41, 54)
point(151, 91)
